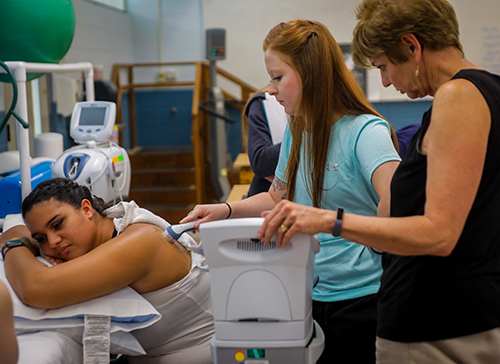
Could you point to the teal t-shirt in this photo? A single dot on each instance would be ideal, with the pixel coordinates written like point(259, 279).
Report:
point(358, 145)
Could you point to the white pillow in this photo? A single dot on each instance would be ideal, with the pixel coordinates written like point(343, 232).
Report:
point(12, 220)
point(128, 311)
point(48, 348)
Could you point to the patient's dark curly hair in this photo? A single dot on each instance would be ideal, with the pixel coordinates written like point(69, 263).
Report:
point(62, 190)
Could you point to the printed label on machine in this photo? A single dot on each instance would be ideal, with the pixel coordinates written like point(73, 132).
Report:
point(96, 341)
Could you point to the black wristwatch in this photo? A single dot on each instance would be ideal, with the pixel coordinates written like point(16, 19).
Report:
point(337, 228)
point(11, 244)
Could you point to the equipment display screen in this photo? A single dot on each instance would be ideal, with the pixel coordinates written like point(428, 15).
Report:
point(218, 38)
point(256, 353)
point(92, 115)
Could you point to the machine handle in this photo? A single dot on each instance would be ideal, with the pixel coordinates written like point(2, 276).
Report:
point(74, 168)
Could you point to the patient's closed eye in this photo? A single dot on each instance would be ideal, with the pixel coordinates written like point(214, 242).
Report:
point(57, 224)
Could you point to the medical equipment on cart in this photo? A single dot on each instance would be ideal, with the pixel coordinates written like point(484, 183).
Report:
point(261, 295)
point(98, 163)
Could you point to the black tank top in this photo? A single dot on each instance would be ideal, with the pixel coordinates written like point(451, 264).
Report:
point(424, 298)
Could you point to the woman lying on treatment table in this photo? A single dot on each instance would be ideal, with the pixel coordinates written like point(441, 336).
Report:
point(100, 255)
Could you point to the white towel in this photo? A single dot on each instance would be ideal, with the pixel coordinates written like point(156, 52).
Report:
point(126, 213)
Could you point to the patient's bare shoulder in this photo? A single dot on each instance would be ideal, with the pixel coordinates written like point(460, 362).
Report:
point(142, 233)
point(156, 254)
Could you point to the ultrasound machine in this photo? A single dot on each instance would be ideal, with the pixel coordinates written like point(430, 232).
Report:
point(97, 162)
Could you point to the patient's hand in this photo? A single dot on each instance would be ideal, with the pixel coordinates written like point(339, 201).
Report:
point(51, 260)
point(20, 232)
point(14, 233)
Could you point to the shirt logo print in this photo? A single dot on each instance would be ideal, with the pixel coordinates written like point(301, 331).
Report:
point(329, 167)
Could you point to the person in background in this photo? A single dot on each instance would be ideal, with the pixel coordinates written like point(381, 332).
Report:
point(405, 135)
point(336, 151)
point(440, 291)
point(264, 121)
point(8, 340)
point(96, 251)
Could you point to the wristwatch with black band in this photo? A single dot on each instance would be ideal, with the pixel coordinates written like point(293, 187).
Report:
point(337, 228)
point(11, 244)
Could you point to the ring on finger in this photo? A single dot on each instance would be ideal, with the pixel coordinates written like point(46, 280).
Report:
point(284, 228)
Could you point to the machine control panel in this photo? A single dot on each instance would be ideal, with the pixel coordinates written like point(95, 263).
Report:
point(216, 44)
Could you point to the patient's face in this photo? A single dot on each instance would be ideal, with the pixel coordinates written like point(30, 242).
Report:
point(62, 231)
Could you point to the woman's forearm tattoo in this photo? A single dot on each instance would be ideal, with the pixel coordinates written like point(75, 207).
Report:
point(280, 186)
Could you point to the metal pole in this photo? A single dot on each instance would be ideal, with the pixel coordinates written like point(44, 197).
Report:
point(22, 134)
point(89, 85)
point(218, 139)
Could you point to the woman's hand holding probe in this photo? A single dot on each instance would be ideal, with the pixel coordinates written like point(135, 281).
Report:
point(208, 212)
point(289, 218)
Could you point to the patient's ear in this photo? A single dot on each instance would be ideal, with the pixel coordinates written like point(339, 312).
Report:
point(86, 208)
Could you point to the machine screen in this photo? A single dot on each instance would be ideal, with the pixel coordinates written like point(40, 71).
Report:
point(218, 38)
point(92, 116)
point(92, 120)
point(256, 353)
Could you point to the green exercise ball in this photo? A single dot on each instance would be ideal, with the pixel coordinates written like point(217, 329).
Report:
point(39, 31)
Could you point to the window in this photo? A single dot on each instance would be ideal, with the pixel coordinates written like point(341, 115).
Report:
point(115, 4)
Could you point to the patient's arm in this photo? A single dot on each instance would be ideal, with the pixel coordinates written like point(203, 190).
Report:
point(8, 341)
point(139, 257)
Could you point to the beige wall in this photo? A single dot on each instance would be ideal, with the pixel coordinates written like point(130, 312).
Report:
point(247, 23)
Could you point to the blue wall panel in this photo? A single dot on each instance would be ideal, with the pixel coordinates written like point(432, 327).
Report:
point(163, 118)
point(402, 113)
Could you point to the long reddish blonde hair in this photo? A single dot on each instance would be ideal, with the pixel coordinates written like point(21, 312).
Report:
point(328, 89)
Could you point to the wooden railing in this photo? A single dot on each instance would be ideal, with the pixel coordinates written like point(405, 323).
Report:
point(200, 121)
